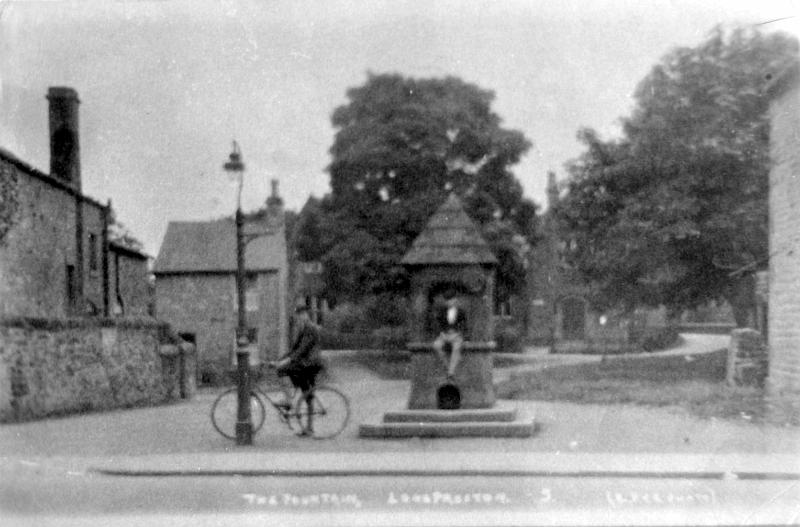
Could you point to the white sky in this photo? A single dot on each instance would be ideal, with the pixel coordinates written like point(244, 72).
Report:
point(166, 85)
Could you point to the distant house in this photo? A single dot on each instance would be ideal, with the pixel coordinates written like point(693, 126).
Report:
point(195, 274)
point(559, 314)
point(55, 255)
point(784, 238)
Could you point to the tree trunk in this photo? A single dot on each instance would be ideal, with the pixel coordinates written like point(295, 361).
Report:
point(741, 297)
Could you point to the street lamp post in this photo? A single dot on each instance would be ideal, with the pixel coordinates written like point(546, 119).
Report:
point(244, 422)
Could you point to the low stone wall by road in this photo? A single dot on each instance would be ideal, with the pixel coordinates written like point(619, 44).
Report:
point(747, 358)
point(61, 366)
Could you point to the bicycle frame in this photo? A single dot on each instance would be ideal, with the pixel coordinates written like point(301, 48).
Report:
point(303, 415)
point(284, 412)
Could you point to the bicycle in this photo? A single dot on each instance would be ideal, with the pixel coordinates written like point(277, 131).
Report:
point(321, 413)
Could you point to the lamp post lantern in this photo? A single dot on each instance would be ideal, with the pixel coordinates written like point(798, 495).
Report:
point(244, 422)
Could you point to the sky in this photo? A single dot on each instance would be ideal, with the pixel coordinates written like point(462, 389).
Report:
point(166, 85)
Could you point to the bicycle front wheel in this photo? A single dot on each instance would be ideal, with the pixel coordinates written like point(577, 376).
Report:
point(224, 412)
point(325, 416)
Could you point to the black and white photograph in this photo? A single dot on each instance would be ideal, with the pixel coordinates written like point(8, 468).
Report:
point(399, 263)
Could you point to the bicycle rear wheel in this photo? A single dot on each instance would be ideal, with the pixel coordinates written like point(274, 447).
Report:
point(224, 412)
point(325, 417)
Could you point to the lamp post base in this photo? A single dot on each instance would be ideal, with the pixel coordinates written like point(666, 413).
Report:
point(244, 420)
point(244, 433)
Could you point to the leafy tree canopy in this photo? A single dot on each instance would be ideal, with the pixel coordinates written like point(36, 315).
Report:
point(402, 144)
point(120, 234)
point(675, 212)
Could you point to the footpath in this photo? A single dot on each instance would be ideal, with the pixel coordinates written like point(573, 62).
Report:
point(182, 432)
point(539, 358)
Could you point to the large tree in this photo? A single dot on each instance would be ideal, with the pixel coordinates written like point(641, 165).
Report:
point(401, 145)
point(675, 212)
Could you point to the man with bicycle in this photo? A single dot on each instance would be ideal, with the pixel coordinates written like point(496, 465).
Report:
point(303, 362)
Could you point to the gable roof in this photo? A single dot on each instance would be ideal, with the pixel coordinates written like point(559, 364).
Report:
point(208, 247)
point(450, 237)
point(127, 251)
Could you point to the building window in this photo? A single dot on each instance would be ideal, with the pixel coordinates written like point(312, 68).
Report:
point(92, 252)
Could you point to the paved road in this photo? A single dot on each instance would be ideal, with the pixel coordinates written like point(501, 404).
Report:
point(46, 469)
point(563, 427)
point(411, 489)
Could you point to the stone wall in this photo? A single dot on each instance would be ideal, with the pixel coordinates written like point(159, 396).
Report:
point(747, 358)
point(134, 286)
point(93, 290)
point(784, 264)
point(33, 267)
point(61, 366)
point(600, 333)
point(204, 304)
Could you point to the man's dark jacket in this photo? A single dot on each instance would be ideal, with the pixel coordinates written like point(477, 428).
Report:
point(305, 361)
point(305, 349)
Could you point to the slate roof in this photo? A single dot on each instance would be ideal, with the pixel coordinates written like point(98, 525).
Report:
point(450, 237)
point(211, 247)
point(128, 251)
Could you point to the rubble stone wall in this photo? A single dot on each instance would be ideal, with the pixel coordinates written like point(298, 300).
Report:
point(747, 358)
point(63, 366)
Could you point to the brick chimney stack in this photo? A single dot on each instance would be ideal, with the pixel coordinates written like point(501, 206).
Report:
point(65, 159)
point(275, 204)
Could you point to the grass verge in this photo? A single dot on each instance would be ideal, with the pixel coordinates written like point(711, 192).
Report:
point(695, 383)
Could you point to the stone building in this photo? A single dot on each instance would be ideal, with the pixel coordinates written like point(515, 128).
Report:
point(61, 280)
point(784, 238)
point(560, 316)
point(55, 255)
point(129, 282)
point(196, 285)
